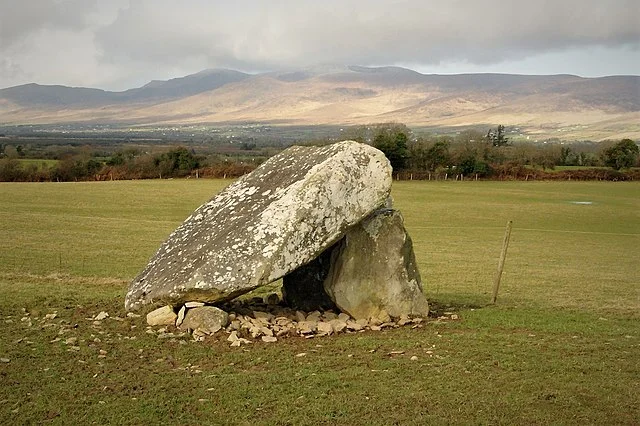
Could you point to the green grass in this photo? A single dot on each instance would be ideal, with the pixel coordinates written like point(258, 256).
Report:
point(40, 163)
point(562, 346)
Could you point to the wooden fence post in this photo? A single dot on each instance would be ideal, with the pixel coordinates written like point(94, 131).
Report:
point(503, 256)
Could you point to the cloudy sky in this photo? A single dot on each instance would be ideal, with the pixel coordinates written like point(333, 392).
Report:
point(119, 44)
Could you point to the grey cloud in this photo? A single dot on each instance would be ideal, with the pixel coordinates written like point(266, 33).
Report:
point(258, 34)
point(9, 70)
point(20, 19)
point(117, 43)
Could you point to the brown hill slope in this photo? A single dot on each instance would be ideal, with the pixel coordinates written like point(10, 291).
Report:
point(561, 105)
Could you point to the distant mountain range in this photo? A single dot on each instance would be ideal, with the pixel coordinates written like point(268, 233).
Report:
point(565, 106)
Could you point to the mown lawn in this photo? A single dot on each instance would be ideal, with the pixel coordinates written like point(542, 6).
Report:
point(562, 345)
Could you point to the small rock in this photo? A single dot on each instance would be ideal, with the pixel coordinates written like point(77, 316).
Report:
point(306, 327)
point(50, 316)
point(301, 354)
point(199, 335)
point(300, 316)
point(414, 358)
point(344, 317)
point(314, 316)
point(338, 325)
point(255, 331)
point(404, 320)
point(454, 317)
point(190, 305)
point(375, 328)
point(71, 341)
point(324, 328)
point(162, 316)
point(234, 325)
point(102, 315)
point(329, 316)
point(233, 336)
point(269, 339)
point(5, 360)
point(354, 326)
point(181, 314)
point(132, 315)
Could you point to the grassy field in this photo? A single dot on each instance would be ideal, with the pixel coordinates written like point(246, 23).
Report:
point(562, 346)
point(39, 163)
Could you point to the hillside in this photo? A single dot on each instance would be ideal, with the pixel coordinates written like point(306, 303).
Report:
point(566, 106)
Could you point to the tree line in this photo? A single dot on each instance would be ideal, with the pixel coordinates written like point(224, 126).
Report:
point(491, 154)
point(470, 153)
point(130, 163)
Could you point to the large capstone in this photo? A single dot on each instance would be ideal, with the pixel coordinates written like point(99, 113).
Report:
point(373, 273)
point(268, 223)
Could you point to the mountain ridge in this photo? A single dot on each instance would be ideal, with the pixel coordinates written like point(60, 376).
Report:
point(573, 106)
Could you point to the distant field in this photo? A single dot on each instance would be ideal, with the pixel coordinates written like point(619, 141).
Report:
point(561, 346)
point(40, 163)
point(563, 168)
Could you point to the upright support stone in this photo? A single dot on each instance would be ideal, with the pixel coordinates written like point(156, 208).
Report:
point(374, 272)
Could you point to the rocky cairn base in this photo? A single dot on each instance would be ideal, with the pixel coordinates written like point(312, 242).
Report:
point(266, 320)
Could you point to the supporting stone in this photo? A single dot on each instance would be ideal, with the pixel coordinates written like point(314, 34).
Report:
point(373, 272)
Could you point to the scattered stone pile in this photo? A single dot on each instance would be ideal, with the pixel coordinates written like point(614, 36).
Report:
point(262, 319)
